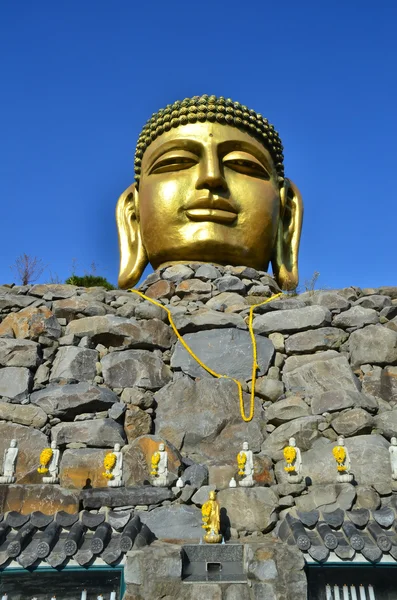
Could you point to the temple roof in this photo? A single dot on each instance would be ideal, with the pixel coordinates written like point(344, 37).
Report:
point(81, 538)
point(371, 534)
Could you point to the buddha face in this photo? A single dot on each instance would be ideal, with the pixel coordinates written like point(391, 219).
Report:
point(209, 193)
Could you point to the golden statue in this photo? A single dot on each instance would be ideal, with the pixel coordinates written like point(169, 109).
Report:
point(209, 187)
point(211, 520)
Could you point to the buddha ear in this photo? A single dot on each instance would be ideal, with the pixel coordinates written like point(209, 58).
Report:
point(133, 257)
point(285, 256)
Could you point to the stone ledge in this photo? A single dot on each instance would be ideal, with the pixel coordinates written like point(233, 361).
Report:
point(44, 497)
point(133, 496)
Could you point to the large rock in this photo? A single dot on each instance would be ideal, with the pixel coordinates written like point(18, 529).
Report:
point(367, 498)
point(46, 498)
point(287, 409)
point(388, 290)
point(374, 344)
point(204, 418)
point(72, 363)
point(371, 382)
point(207, 271)
point(356, 316)
point(82, 468)
point(67, 401)
point(99, 433)
point(369, 455)
point(230, 283)
point(23, 414)
point(291, 321)
point(174, 522)
point(137, 423)
point(207, 319)
point(226, 299)
point(225, 351)
point(293, 362)
point(324, 338)
point(147, 310)
point(71, 307)
point(336, 400)
point(19, 353)
point(9, 301)
point(351, 422)
point(135, 368)
point(387, 423)
point(31, 323)
point(178, 273)
point(389, 384)
point(111, 330)
point(268, 389)
point(376, 301)
point(138, 455)
point(321, 376)
point(249, 509)
point(327, 498)
point(195, 475)
point(303, 429)
point(30, 444)
point(330, 299)
point(161, 289)
point(55, 290)
point(190, 287)
point(15, 382)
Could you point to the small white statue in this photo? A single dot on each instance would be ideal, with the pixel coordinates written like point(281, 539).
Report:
point(179, 483)
point(245, 464)
point(232, 483)
point(9, 463)
point(53, 466)
point(160, 467)
point(342, 458)
point(117, 469)
point(293, 458)
point(393, 457)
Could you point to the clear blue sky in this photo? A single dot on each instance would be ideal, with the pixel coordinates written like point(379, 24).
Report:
point(79, 79)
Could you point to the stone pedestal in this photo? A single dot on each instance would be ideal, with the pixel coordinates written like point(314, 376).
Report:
point(344, 477)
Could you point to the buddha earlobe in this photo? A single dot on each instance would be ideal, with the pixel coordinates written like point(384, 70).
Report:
point(133, 258)
point(285, 256)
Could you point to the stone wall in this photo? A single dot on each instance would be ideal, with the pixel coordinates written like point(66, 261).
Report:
point(274, 572)
point(89, 368)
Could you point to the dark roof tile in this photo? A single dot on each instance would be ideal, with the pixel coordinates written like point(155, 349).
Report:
point(343, 533)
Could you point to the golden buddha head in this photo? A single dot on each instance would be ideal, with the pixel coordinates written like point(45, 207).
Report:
point(209, 187)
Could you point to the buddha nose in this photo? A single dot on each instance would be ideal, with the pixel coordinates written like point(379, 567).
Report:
point(210, 174)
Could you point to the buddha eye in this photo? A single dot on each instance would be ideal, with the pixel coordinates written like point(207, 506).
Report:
point(244, 163)
point(175, 162)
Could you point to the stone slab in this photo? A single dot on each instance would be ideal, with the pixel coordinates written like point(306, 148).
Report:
point(43, 497)
point(125, 496)
point(227, 351)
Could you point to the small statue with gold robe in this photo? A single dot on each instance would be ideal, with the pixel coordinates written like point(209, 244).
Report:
point(211, 520)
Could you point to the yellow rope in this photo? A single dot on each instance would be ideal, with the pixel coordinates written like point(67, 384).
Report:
point(255, 365)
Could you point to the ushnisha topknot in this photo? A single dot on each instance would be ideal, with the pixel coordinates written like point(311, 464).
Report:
point(213, 109)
